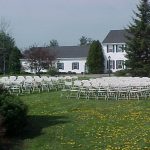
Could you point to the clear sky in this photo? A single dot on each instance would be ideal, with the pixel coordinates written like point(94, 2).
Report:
point(39, 21)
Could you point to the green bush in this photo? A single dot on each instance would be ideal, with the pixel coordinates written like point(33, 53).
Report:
point(3, 94)
point(14, 112)
point(121, 73)
point(53, 71)
point(141, 72)
point(2, 128)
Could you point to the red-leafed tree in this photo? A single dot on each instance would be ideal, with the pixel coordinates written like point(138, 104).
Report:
point(39, 58)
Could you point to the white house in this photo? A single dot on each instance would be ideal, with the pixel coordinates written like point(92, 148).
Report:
point(114, 50)
point(73, 58)
point(68, 59)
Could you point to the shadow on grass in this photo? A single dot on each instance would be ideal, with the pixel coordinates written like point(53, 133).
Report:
point(37, 123)
point(34, 128)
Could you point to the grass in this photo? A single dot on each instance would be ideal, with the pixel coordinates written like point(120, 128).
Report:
point(62, 124)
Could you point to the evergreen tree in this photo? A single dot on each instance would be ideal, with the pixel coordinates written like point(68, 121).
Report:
point(14, 61)
point(138, 43)
point(7, 52)
point(53, 43)
point(85, 41)
point(95, 59)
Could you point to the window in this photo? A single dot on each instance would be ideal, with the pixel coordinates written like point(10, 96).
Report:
point(119, 48)
point(110, 48)
point(75, 65)
point(112, 64)
point(60, 66)
point(119, 64)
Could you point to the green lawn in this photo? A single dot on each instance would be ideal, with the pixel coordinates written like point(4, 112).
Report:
point(62, 124)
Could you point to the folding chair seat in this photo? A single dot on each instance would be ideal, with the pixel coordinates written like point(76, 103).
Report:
point(36, 86)
point(45, 86)
point(102, 93)
point(54, 85)
point(74, 78)
point(83, 90)
point(74, 92)
point(20, 78)
point(148, 92)
point(95, 83)
point(15, 89)
point(44, 78)
point(92, 93)
point(134, 93)
point(143, 92)
point(26, 87)
point(29, 78)
point(12, 78)
point(50, 84)
point(123, 93)
point(112, 93)
point(37, 79)
point(6, 83)
point(68, 78)
point(4, 78)
point(77, 83)
point(66, 89)
point(60, 84)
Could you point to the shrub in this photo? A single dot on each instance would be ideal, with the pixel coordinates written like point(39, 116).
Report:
point(141, 72)
point(2, 128)
point(121, 73)
point(14, 112)
point(70, 72)
point(53, 71)
point(3, 93)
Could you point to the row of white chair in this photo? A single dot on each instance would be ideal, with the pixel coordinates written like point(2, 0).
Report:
point(28, 84)
point(107, 89)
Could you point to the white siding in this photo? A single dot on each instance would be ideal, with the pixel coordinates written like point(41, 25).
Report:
point(68, 64)
point(114, 55)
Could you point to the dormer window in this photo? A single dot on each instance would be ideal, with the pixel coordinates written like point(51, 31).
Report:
point(110, 48)
point(119, 48)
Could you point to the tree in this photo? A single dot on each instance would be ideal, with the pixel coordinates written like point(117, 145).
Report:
point(89, 41)
point(7, 45)
point(53, 43)
point(14, 61)
point(85, 41)
point(95, 59)
point(39, 58)
point(4, 25)
point(138, 43)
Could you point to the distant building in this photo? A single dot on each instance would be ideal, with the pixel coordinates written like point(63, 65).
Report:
point(68, 59)
point(73, 58)
point(114, 49)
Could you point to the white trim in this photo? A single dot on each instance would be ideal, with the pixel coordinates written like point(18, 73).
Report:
point(81, 58)
point(112, 43)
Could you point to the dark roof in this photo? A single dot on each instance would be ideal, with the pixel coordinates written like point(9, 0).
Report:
point(70, 51)
point(116, 36)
